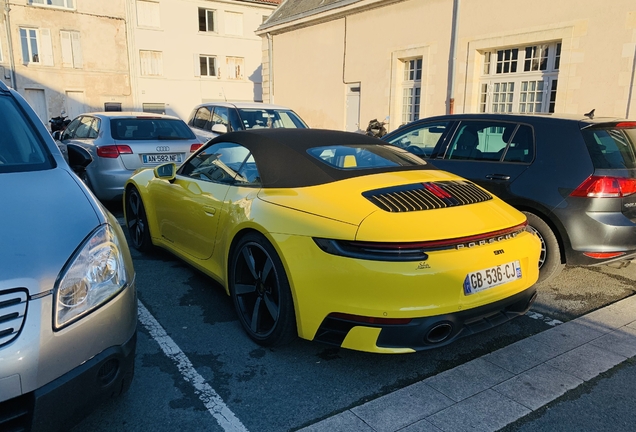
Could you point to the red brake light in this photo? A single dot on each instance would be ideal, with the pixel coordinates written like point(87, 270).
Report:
point(626, 125)
point(195, 147)
point(113, 151)
point(603, 255)
point(605, 187)
point(436, 190)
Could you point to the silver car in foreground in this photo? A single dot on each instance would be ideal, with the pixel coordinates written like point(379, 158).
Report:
point(121, 142)
point(68, 305)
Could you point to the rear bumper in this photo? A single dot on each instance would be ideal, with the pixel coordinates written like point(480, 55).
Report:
point(62, 403)
point(427, 332)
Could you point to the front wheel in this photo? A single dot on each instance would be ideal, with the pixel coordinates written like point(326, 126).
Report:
point(137, 222)
point(261, 293)
point(550, 264)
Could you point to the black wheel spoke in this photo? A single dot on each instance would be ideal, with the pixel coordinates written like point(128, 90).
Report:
point(272, 307)
point(242, 289)
point(256, 315)
point(266, 269)
point(249, 260)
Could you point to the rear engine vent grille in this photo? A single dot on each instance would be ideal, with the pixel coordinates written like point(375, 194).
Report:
point(426, 196)
point(13, 308)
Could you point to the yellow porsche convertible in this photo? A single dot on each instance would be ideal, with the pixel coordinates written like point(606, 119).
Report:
point(340, 238)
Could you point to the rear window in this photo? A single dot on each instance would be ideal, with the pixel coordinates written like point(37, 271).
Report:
point(364, 156)
point(611, 148)
point(149, 129)
point(270, 119)
point(21, 148)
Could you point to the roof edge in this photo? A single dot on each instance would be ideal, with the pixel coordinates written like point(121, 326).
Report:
point(322, 14)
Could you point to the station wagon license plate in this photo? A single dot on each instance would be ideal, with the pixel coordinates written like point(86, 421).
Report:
point(161, 158)
point(497, 275)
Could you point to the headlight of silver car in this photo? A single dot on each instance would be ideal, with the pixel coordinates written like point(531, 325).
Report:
point(92, 277)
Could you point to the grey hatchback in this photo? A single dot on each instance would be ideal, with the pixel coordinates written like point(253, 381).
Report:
point(68, 305)
point(119, 143)
point(573, 176)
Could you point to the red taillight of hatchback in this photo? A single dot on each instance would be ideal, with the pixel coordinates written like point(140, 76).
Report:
point(195, 147)
point(605, 187)
point(113, 151)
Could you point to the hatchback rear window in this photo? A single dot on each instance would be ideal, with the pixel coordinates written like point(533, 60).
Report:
point(149, 129)
point(21, 148)
point(611, 148)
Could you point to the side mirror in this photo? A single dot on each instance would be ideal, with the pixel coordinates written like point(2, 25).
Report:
point(166, 171)
point(219, 128)
point(78, 158)
point(57, 135)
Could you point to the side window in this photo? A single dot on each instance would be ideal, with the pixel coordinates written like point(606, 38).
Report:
point(94, 128)
point(421, 140)
point(521, 146)
point(202, 119)
point(84, 128)
point(221, 163)
point(248, 173)
point(221, 116)
point(235, 121)
point(70, 129)
point(480, 140)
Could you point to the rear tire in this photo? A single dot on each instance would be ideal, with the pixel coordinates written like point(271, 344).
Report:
point(137, 222)
point(550, 264)
point(260, 291)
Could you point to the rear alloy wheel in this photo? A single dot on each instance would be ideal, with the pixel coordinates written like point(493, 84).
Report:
point(550, 264)
point(260, 291)
point(137, 222)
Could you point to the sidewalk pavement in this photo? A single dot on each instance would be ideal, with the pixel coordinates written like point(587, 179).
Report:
point(514, 385)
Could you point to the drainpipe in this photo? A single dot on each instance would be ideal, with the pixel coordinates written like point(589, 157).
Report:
point(631, 85)
point(270, 55)
point(7, 9)
point(453, 58)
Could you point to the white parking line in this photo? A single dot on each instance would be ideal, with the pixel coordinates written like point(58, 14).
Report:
point(549, 321)
point(212, 401)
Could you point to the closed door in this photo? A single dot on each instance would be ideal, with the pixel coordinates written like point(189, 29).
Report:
point(353, 107)
point(75, 103)
point(36, 99)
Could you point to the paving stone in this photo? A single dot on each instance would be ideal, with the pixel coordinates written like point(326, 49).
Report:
point(468, 379)
point(343, 422)
point(402, 407)
point(568, 336)
point(613, 316)
point(421, 426)
point(522, 355)
point(538, 386)
point(487, 411)
point(586, 362)
point(621, 341)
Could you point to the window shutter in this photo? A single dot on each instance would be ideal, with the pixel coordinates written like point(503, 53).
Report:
point(78, 60)
point(46, 47)
point(67, 51)
point(197, 66)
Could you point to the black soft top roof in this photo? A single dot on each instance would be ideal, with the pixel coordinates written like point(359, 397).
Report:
point(283, 161)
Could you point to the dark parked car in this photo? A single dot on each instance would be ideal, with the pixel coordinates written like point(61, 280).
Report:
point(573, 177)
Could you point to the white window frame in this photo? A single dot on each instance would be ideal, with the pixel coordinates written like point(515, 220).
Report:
point(213, 70)
point(43, 46)
point(235, 68)
point(71, 49)
point(234, 23)
point(148, 13)
point(150, 63)
point(520, 79)
point(207, 20)
point(411, 89)
point(68, 4)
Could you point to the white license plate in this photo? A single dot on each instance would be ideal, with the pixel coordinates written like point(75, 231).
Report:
point(161, 158)
point(497, 275)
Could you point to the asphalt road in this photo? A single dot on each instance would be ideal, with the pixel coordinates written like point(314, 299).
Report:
point(217, 369)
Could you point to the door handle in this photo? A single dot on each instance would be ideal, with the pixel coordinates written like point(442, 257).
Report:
point(497, 177)
point(210, 211)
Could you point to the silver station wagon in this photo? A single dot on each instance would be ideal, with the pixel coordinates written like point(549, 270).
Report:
point(68, 305)
point(120, 143)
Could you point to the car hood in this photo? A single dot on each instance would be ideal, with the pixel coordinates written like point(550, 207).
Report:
point(345, 201)
point(45, 217)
